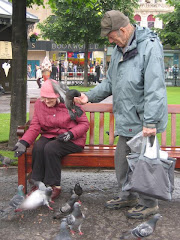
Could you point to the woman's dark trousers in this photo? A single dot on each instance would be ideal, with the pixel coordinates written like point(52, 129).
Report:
point(46, 159)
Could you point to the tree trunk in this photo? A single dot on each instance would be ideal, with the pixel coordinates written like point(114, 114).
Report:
point(86, 64)
point(19, 69)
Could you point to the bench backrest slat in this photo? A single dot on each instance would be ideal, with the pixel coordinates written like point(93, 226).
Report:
point(173, 129)
point(163, 139)
point(173, 111)
point(101, 128)
point(111, 129)
point(91, 130)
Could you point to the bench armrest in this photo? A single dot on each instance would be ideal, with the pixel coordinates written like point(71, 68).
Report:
point(22, 129)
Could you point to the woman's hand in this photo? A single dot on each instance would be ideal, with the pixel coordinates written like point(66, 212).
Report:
point(19, 149)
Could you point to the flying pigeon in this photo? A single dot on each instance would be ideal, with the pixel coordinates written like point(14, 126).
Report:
point(6, 161)
point(36, 199)
point(78, 189)
point(67, 208)
point(64, 232)
point(142, 230)
point(67, 96)
point(40, 185)
point(75, 219)
point(14, 203)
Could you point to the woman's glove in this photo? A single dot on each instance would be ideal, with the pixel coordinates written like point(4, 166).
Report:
point(65, 137)
point(19, 149)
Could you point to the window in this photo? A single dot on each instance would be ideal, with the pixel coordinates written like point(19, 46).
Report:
point(137, 18)
point(150, 20)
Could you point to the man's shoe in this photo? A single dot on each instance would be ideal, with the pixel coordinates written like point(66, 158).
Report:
point(140, 212)
point(118, 203)
point(55, 193)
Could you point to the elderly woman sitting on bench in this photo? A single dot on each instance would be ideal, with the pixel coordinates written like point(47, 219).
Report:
point(60, 135)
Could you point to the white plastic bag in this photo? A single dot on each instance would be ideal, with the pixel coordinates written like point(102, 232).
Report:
point(151, 149)
point(136, 142)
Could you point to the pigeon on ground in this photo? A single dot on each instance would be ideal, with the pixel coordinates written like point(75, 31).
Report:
point(6, 161)
point(142, 230)
point(64, 232)
point(78, 189)
point(67, 96)
point(36, 199)
point(75, 219)
point(67, 208)
point(14, 203)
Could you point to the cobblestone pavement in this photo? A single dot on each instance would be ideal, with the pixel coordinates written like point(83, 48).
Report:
point(100, 223)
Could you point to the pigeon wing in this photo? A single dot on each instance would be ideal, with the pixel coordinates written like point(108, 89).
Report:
point(70, 220)
point(142, 230)
point(16, 201)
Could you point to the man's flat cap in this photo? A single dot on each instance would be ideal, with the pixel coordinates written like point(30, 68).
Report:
point(113, 20)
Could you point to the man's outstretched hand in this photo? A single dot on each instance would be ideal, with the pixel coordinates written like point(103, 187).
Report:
point(83, 99)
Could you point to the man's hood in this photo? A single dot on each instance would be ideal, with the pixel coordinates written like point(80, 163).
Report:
point(144, 33)
point(141, 34)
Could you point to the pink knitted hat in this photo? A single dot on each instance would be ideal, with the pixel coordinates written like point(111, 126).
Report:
point(47, 89)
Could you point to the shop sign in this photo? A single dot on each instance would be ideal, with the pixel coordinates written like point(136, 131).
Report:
point(75, 47)
point(51, 46)
point(5, 50)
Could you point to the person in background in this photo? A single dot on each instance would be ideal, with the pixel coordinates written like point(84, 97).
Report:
point(54, 71)
point(29, 70)
point(38, 76)
point(59, 136)
point(135, 78)
point(97, 70)
point(46, 69)
point(75, 68)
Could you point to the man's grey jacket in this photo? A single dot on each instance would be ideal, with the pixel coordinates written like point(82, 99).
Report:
point(136, 81)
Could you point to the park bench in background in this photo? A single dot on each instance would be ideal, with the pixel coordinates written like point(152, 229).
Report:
point(97, 153)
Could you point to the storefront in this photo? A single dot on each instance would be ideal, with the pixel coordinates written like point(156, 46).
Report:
point(74, 53)
point(172, 63)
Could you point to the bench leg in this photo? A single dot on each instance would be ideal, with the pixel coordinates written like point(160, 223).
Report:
point(22, 172)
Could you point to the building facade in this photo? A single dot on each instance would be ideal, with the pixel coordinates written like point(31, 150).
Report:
point(145, 16)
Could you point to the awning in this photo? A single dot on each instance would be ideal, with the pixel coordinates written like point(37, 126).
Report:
point(6, 14)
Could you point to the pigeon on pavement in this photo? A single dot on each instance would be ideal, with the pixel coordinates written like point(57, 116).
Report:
point(6, 161)
point(67, 96)
point(67, 208)
point(75, 219)
point(142, 230)
point(78, 189)
point(14, 203)
point(36, 199)
point(64, 232)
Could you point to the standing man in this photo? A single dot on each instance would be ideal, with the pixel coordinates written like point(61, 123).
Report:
point(135, 78)
point(54, 71)
point(38, 76)
point(97, 70)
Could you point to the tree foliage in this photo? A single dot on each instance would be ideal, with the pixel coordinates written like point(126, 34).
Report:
point(78, 21)
point(170, 34)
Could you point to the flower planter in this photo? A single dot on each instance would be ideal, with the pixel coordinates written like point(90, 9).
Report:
point(32, 39)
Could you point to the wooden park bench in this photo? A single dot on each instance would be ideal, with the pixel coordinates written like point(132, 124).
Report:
point(96, 153)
